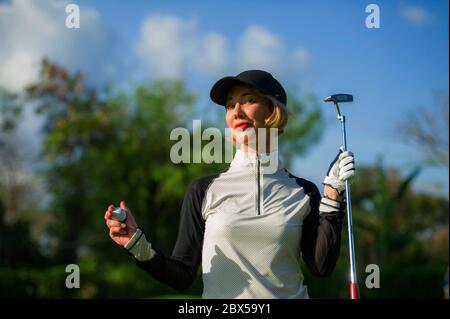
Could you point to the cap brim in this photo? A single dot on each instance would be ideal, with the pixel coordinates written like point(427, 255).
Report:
point(220, 90)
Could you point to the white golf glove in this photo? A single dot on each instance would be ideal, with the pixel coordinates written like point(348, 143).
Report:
point(341, 169)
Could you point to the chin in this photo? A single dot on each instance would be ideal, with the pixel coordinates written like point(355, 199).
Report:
point(247, 136)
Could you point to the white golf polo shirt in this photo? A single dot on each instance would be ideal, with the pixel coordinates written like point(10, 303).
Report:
point(245, 227)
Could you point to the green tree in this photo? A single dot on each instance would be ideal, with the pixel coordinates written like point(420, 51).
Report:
point(18, 247)
point(394, 226)
point(305, 125)
point(10, 111)
point(404, 232)
point(101, 147)
point(427, 127)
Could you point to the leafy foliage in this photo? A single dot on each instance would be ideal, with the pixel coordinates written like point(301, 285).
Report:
point(101, 147)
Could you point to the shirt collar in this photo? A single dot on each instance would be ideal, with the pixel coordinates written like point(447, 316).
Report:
point(269, 162)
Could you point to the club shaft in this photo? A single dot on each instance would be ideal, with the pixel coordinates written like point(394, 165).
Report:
point(354, 290)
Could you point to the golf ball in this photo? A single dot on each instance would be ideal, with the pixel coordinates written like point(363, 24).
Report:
point(119, 214)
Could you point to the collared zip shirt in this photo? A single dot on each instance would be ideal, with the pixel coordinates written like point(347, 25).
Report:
point(253, 215)
point(248, 227)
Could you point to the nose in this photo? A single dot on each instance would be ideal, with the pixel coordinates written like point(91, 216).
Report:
point(238, 112)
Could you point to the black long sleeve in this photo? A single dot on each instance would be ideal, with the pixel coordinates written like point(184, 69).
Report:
point(180, 269)
point(320, 242)
point(321, 235)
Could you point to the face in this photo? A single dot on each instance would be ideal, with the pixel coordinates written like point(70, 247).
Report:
point(246, 108)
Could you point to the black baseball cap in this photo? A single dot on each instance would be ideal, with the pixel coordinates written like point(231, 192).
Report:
point(258, 79)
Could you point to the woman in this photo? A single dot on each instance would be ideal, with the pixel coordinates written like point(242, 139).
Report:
point(248, 225)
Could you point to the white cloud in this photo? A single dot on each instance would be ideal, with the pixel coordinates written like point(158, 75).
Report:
point(31, 30)
point(163, 44)
point(259, 48)
point(213, 54)
point(301, 57)
point(172, 47)
point(18, 68)
point(416, 15)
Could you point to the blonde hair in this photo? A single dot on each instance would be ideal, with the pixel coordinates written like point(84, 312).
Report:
point(280, 115)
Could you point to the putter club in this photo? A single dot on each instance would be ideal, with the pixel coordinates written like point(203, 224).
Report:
point(339, 98)
point(336, 99)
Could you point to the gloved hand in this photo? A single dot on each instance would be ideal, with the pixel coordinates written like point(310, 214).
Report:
point(341, 169)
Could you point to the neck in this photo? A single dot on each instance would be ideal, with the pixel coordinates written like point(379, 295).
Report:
point(245, 147)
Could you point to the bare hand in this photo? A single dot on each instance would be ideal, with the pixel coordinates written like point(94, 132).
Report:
point(121, 232)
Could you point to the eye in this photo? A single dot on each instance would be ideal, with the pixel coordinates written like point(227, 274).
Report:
point(229, 106)
point(249, 100)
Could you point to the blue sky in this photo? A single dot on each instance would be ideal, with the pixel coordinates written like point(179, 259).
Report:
point(323, 46)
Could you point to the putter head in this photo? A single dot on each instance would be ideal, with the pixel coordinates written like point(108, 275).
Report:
point(339, 98)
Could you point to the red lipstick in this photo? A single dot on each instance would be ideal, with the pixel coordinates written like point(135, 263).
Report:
point(241, 125)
